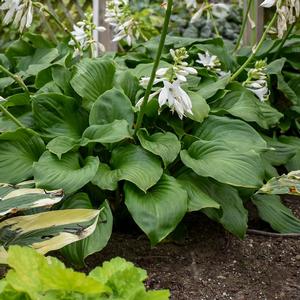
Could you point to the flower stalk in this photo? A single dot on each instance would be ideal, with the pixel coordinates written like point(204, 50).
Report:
point(16, 78)
point(9, 115)
point(155, 66)
point(255, 51)
point(245, 19)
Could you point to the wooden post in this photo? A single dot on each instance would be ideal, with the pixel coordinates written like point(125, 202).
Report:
point(255, 25)
point(103, 37)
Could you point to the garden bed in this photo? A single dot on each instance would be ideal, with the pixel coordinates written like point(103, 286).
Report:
point(211, 265)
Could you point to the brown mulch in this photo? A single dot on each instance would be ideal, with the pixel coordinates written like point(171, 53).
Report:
point(212, 265)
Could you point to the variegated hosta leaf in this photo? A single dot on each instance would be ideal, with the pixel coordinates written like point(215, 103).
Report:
point(48, 231)
point(15, 198)
point(285, 184)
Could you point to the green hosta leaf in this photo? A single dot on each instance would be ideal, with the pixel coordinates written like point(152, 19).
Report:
point(49, 275)
point(280, 218)
point(129, 84)
point(166, 145)
point(15, 198)
point(59, 115)
point(196, 188)
point(77, 252)
point(219, 161)
point(48, 231)
point(285, 184)
point(131, 163)
point(112, 105)
point(207, 89)
point(113, 132)
point(200, 107)
point(233, 216)
point(93, 77)
point(237, 134)
point(67, 173)
point(62, 144)
point(18, 151)
point(292, 142)
point(243, 104)
point(279, 153)
point(159, 210)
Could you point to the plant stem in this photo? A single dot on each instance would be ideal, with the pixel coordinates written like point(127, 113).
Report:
point(245, 19)
point(209, 6)
point(44, 8)
point(16, 78)
point(155, 66)
point(254, 52)
point(8, 114)
point(282, 42)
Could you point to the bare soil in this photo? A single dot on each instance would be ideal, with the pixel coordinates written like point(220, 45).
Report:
point(210, 264)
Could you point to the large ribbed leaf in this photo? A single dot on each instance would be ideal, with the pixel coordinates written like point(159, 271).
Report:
point(219, 161)
point(232, 215)
point(62, 144)
point(285, 184)
point(159, 210)
point(200, 107)
point(18, 151)
point(131, 163)
point(280, 217)
point(293, 142)
point(59, 115)
point(113, 132)
point(112, 105)
point(93, 77)
point(166, 145)
point(48, 231)
point(244, 104)
point(77, 252)
point(66, 173)
point(196, 188)
point(15, 198)
point(237, 134)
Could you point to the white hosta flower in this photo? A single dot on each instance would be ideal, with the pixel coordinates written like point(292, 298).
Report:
point(20, 12)
point(83, 33)
point(191, 3)
point(268, 3)
point(288, 12)
point(210, 62)
point(257, 81)
point(173, 96)
point(176, 98)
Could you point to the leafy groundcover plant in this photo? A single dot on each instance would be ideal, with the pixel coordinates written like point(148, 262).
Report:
point(173, 126)
point(34, 277)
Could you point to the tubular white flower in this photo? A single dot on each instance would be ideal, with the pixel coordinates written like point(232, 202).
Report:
point(210, 62)
point(268, 3)
point(82, 32)
point(20, 12)
point(257, 81)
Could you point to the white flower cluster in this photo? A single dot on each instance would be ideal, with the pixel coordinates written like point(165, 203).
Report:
point(83, 33)
point(119, 16)
point(257, 81)
point(288, 11)
point(20, 12)
point(172, 94)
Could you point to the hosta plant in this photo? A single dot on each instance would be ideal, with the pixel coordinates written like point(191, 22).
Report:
point(173, 126)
